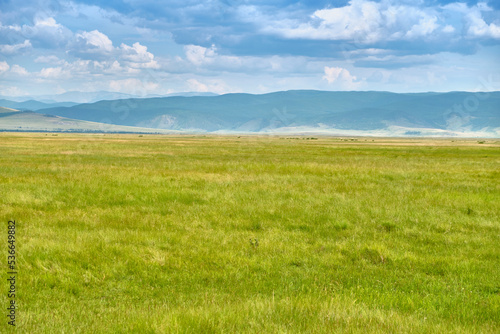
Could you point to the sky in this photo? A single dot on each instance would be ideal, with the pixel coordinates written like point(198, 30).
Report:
point(145, 47)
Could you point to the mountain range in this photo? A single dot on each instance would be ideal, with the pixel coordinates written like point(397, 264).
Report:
point(33, 105)
point(299, 112)
point(75, 97)
point(384, 113)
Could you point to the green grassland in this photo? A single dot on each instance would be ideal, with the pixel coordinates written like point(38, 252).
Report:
point(180, 234)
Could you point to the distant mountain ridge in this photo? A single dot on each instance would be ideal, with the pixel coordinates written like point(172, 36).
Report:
point(364, 113)
point(76, 97)
point(33, 105)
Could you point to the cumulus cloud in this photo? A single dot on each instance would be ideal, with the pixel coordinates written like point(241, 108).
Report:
point(338, 74)
point(199, 55)
point(425, 26)
point(77, 69)
point(137, 56)
point(215, 86)
point(341, 78)
point(4, 67)
point(360, 20)
point(49, 22)
point(19, 70)
point(475, 23)
point(97, 46)
point(196, 86)
point(479, 28)
point(209, 58)
point(80, 67)
point(92, 45)
point(96, 40)
point(43, 32)
point(12, 49)
point(113, 68)
point(84, 68)
point(53, 73)
point(46, 33)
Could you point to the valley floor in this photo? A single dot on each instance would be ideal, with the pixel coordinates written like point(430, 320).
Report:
point(251, 234)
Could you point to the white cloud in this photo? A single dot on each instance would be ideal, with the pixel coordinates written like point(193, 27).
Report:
point(199, 55)
point(4, 67)
point(47, 22)
point(425, 27)
point(479, 28)
point(53, 73)
point(362, 21)
point(96, 42)
point(47, 33)
point(138, 56)
point(475, 23)
point(333, 74)
point(88, 70)
point(133, 86)
point(78, 67)
point(356, 19)
point(115, 67)
point(12, 91)
point(196, 86)
point(49, 60)
point(341, 77)
point(96, 46)
point(11, 49)
point(215, 86)
point(448, 29)
point(208, 58)
point(460, 7)
point(365, 52)
point(44, 33)
point(19, 70)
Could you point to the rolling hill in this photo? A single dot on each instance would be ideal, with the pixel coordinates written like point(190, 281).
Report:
point(32, 105)
point(15, 120)
point(351, 113)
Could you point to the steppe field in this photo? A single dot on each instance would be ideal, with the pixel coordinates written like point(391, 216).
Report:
point(251, 234)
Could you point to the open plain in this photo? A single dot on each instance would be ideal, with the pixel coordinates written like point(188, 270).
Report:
point(252, 234)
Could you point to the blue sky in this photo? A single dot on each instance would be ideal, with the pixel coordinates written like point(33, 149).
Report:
point(157, 47)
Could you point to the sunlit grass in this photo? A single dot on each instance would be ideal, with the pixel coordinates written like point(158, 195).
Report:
point(121, 233)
